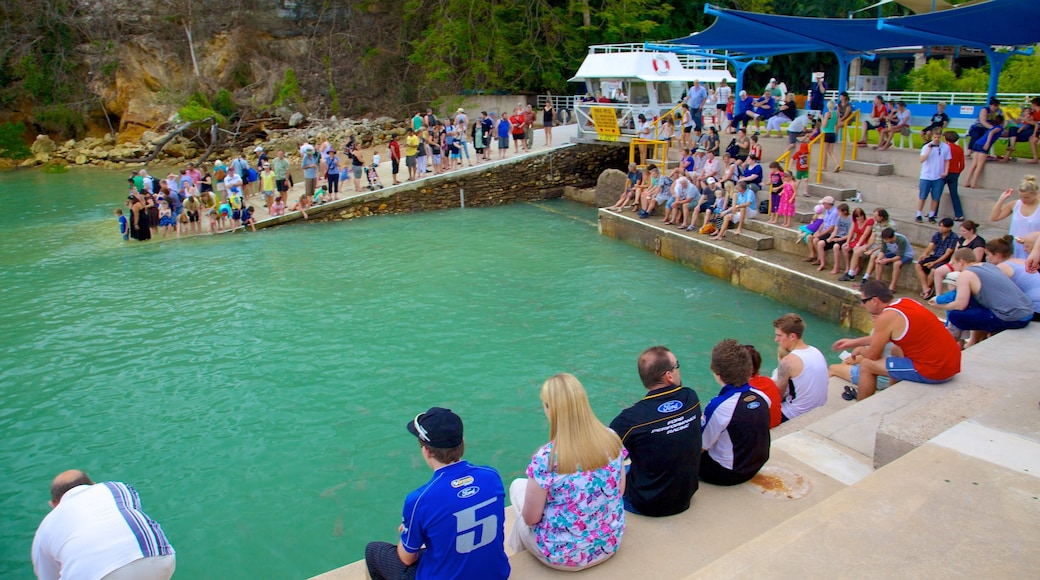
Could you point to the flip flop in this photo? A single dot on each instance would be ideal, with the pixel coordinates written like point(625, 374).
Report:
point(850, 393)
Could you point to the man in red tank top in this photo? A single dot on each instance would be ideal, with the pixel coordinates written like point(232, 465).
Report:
point(930, 354)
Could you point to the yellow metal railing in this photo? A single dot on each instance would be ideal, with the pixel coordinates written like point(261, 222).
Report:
point(819, 163)
point(846, 135)
point(785, 159)
point(659, 151)
point(657, 122)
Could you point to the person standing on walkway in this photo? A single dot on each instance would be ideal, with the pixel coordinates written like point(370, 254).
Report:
point(930, 355)
point(309, 164)
point(452, 526)
point(393, 151)
point(663, 476)
point(411, 147)
point(802, 374)
point(97, 530)
point(935, 166)
point(528, 128)
point(695, 97)
point(548, 120)
point(953, 174)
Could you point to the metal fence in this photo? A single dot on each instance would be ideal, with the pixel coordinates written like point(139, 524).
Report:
point(925, 98)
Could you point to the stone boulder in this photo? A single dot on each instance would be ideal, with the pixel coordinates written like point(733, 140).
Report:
point(81, 159)
point(6, 164)
point(609, 186)
point(296, 119)
point(43, 145)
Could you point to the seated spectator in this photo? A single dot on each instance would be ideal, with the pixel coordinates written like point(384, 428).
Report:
point(744, 207)
point(998, 253)
point(981, 148)
point(878, 120)
point(709, 196)
point(869, 246)
point(899, 123)
point(752, 174)
point(785, 113)
point(736, 422)
point(984, 122)
point(1025, 219)
point(802, 373)
point(713, 214)
point(762, 109)
point(848, 370)
point(838, 236)
point(968, 238)
point(938, 122)
point(649, 190)
point(662, 477)
point(897, 251)
point(431, 543)
point(711, 167)
point(929, 354)
point(827, 227)
point(1023, 129)
point(634, 177)
point(684, 194)
point(764, 385)
point(743, 111)
point(570, 514)
point(938, 253)
point(859, 236)
point(987, 301)
point(845, 111)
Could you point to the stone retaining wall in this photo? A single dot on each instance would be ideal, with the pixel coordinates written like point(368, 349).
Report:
point(531, 177)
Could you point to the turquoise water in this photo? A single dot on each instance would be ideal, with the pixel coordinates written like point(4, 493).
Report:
point(254, 387)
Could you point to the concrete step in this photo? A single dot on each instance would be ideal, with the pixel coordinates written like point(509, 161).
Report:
point(751, 239)
point(663, 165)
point(819, 190)
point(877, 169)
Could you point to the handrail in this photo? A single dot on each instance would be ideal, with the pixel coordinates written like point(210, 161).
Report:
point(657, 122)
point(930, 98)
point(819, 164)
point(853, 118)
point(786, 158)
point(659, 147)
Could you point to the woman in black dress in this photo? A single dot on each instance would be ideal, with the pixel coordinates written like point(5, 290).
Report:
point(548, 119)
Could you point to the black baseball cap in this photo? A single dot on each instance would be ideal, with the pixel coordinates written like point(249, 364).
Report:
point(438, 427)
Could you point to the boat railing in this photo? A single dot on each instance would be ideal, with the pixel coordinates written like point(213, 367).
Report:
point(688, 61)
point(930, 98)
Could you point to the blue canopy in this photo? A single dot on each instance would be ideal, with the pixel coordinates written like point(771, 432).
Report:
point(986, 25)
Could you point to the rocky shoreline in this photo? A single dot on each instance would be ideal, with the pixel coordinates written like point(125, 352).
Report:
point(110, 152)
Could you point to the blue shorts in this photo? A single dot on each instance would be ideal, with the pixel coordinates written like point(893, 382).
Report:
point(905, 260)
point(976, 317)
point(882, 381)
point(933, 187)
point(902, 369)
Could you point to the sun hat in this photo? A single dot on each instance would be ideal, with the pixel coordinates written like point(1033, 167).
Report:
point(827, 200)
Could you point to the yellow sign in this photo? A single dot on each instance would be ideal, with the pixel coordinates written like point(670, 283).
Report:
point(605, 119)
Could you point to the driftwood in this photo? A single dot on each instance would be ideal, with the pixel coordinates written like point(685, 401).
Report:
point(169, 137)
point(244, 133)
point(214, 137)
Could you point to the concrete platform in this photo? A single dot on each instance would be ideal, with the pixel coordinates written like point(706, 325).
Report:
point(818, 190)
point(868, 167)
point(751, 239)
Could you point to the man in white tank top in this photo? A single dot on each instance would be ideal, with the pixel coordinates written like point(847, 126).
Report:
point(802, 375)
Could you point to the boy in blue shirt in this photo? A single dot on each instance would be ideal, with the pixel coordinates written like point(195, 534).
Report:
point(453, 525)
point(124, 227)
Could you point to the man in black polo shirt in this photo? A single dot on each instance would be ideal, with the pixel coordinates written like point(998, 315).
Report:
point(662, 433)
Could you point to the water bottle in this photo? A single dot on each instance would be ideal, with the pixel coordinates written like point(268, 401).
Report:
point(858, 198)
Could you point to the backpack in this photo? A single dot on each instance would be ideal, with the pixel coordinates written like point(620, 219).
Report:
point(732, 148)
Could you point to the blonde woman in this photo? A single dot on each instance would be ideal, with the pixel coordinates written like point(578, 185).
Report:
point(570, 514)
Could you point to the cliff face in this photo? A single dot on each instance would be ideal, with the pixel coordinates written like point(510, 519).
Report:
point(133, 62)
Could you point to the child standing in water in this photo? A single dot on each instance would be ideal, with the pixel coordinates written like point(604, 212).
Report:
point(124, 226)
point(165, 218)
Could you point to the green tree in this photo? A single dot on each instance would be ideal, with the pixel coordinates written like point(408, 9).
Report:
point(1021, 74)
point(934, 76)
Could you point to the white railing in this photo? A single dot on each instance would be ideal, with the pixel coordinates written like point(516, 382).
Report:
point(564, 105)
point(926, 98)
point(688, 61)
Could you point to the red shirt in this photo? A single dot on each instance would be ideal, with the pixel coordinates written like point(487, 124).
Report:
point(767, 386)
point(801, 159)
point(517, 121)
point(956, 158)
point(926, 341)
point(395, 150)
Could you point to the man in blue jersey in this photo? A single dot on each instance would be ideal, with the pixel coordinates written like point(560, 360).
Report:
point(736, 422)
point(453, 525)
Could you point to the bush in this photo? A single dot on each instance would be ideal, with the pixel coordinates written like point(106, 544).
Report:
point(224, 104)
point(55, 167)
point(198, 108)
point(60, 119)
point(12, 145)
point(288, 90)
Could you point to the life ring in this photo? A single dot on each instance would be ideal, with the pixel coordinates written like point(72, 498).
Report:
point(661, 65)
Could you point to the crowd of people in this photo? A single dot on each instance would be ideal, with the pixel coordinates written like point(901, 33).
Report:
point(216, 198)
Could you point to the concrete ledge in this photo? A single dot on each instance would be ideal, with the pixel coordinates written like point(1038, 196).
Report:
point(751, 239)
point(828, 299)
point(839, 193)
point(869, 167)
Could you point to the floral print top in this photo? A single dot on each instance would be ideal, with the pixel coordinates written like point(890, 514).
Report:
point(584, 515)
